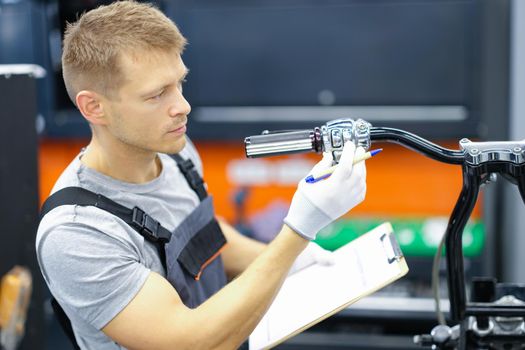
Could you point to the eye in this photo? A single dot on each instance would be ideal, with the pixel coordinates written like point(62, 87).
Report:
point(158, 96)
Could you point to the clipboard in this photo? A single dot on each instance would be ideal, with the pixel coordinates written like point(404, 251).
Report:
point(317, 292)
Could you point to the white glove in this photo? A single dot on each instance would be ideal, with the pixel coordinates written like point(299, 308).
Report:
point(312, 254)
point(315, 205)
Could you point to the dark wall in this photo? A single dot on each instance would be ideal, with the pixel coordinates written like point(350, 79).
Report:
point(19, 192)
point(433, 67)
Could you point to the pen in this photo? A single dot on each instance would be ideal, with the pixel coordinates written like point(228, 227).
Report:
point(326, 173)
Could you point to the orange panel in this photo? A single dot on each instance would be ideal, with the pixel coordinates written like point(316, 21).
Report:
point(53, 157)
point(400, 182)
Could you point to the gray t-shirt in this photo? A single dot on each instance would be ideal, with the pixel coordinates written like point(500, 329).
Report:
point(93, 262)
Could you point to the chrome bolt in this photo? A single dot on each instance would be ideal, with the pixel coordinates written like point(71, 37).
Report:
point(474, 151)
point(441, 333)
point(517, 149)
point(464, 140)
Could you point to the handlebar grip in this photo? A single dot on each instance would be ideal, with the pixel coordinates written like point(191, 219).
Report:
point(287, 142)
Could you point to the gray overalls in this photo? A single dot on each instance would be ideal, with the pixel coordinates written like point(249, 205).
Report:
point(190, 254)
point(193, 262)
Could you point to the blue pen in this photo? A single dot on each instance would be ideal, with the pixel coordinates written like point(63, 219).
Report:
point(326, 173)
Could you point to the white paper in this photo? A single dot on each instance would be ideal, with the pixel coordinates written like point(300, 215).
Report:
point(316, 292)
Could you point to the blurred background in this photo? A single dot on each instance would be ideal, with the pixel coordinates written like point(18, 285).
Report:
point(442, 69)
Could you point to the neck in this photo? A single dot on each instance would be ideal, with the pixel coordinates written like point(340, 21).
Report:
point(122, 162)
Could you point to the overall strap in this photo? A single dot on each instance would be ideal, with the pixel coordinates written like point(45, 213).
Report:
point(187, 168)
point(144, 224)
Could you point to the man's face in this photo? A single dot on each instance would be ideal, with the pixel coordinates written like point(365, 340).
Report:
point(150, 114)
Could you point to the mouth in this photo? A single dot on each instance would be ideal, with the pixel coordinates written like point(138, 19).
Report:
point(178, 131)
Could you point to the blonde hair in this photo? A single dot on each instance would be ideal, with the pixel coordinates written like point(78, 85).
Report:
point(93, 44)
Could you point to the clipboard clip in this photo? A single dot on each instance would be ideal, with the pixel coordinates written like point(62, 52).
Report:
point(391, 247)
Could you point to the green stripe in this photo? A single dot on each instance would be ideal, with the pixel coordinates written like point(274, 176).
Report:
point(416, 236)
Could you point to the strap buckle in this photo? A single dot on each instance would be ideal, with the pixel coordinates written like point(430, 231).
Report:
point(195, 179)
point(146, 225)
point(186, 165)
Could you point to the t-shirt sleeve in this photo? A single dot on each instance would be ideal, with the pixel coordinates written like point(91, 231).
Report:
point(91, 273)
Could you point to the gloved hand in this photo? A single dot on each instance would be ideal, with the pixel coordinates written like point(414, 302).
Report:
point(312, 254)
point(315, 205)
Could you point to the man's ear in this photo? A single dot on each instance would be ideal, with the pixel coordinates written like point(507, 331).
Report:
point(90, 105)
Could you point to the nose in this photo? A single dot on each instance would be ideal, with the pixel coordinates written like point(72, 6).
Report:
point(180, 106)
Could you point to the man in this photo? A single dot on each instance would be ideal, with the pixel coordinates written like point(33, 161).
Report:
point(119, 284)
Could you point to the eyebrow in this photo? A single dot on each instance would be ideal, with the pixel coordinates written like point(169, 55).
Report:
point(152, 92)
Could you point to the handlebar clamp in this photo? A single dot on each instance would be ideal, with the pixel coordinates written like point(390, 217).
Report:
point(477, 153)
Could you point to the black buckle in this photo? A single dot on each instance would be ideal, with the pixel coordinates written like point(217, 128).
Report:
point(186, 165)
point(147, 226)
point(195, 179)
